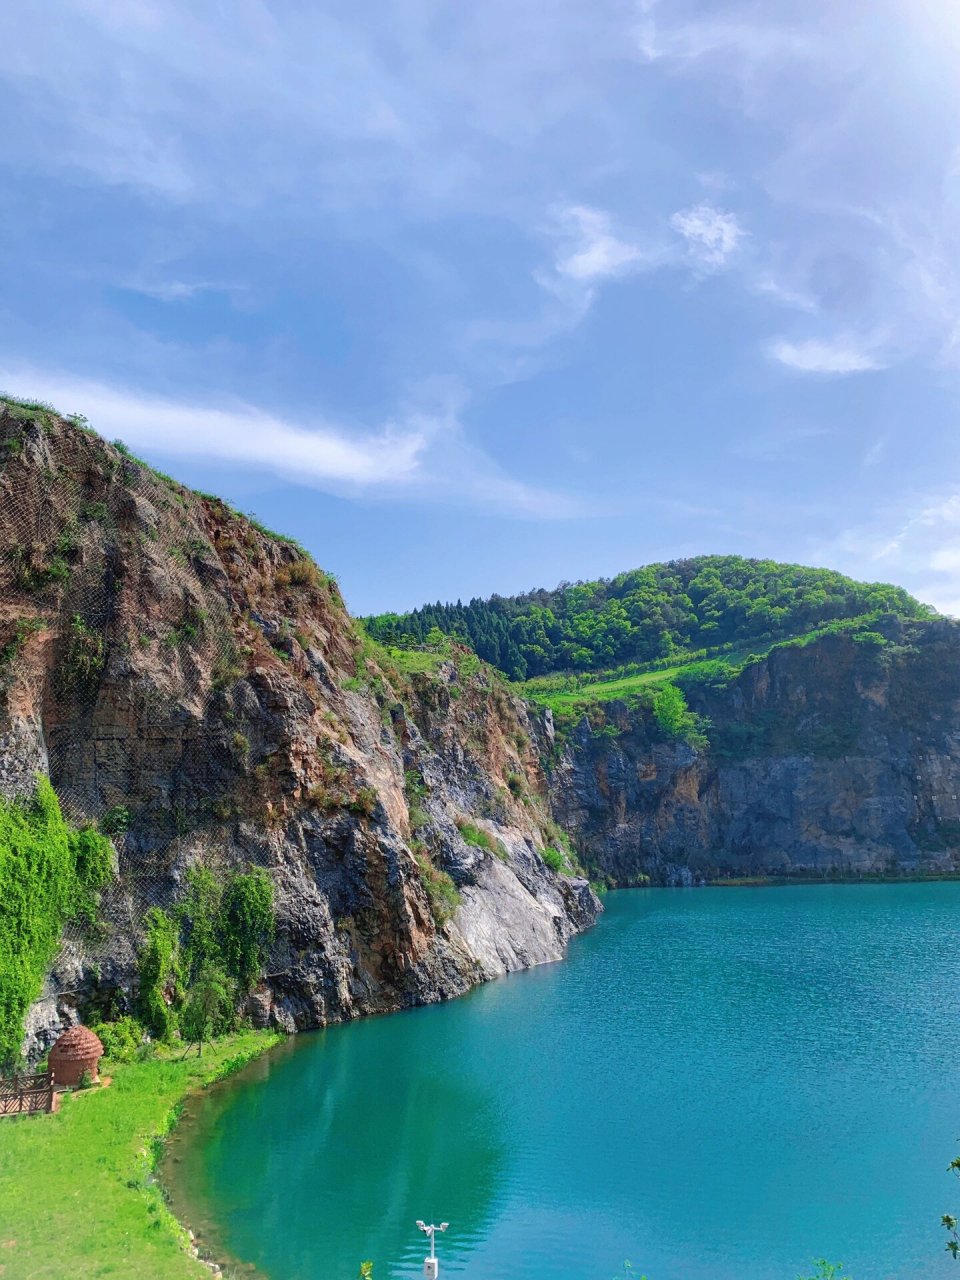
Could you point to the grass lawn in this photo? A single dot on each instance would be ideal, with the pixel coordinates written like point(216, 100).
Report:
point(609, 690)
point(77, 1195)
point(602, 688)
point(415, 661)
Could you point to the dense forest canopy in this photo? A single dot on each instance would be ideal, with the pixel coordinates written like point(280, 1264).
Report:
point(647, 614)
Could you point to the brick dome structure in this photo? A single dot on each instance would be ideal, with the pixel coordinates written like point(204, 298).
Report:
point(78, 1050)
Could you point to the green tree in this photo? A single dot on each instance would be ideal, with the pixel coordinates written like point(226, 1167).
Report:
point(207, 1006)
point(220, 927)
point(646, 614)
point(159, 973)
point(246, 925)
point(199, 917)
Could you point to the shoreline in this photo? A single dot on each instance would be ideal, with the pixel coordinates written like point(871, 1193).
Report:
point(774, 881)
point(110, 1142)
point(272, 1039)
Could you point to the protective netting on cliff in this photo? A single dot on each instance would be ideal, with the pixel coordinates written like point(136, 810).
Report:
point(116, 614)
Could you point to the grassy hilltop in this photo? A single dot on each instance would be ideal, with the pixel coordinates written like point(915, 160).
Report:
point(664, 612)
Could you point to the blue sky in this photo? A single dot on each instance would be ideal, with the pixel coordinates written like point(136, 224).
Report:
point(483, 297)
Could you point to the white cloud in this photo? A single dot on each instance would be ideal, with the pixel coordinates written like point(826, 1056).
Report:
point(922, 553)
point(711, 235)
point(838, 357)
point(423, 456)
point(768, 284)
point(935, 520)
point(265, 106)
point(174, 290)
point(591, 251)
point(947, 559)
point(586, 253)
point(739, 42)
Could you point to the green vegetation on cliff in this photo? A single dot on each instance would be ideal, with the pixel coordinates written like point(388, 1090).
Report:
point(50, 872)
point(212, 944)
point(652, 614)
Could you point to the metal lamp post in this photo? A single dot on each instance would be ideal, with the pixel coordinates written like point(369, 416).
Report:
point(431, 1265)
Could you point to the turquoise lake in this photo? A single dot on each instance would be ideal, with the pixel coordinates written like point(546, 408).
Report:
point(717, 1084)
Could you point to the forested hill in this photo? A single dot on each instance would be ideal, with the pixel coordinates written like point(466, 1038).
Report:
point(647, 614)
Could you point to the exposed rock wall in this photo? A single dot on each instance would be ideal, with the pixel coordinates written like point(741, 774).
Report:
point(200, 681)
point(831, 759)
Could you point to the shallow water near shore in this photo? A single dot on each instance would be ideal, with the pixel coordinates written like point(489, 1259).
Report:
point(715, 1085)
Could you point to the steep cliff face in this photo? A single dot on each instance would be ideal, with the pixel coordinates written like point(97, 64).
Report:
point(834, 758)
point(196, 684)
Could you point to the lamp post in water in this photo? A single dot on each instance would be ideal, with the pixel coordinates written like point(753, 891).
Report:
point(431, 1266)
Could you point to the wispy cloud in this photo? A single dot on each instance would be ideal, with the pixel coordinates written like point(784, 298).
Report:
point(423, 456)
point(747, 39)
point(831, 358)
point(586, 252)
point(590, 251)
point(268, 106)
point(922, 552)
point(777, 442)
point(711, 235)
point(854, 216)
point(174, 290)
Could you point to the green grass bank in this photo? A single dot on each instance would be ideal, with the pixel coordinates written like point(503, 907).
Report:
point(78, 1196)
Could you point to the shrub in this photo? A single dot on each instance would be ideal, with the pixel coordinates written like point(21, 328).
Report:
point(301, 573)
point(85, 656)
point(159, 972)
point(24, 628)
point(219, 928)
point(515, 783)
point(49, 871)
point(320, 797)
point(208, 1006)
point(557, 838)
point(115, 821)
point(442, 893)
point(481, 839)
point(475, 835)
point(419, 817)
point(246, 925)
point(190, 628)
point(364, 802)
point(32, 576)
point(674, 717)
point(468, 665)
point(121, 1040)
point(554, 859)
point(93, 867)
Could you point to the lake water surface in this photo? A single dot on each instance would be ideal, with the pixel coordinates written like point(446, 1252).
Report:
point(716, 1084)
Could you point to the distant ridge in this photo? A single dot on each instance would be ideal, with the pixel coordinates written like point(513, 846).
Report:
point(647, 614)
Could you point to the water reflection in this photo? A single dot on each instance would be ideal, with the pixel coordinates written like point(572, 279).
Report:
point(280, 1165)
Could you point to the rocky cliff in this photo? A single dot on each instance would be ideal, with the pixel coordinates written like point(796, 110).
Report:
point(194, 683)
point(833, 758)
